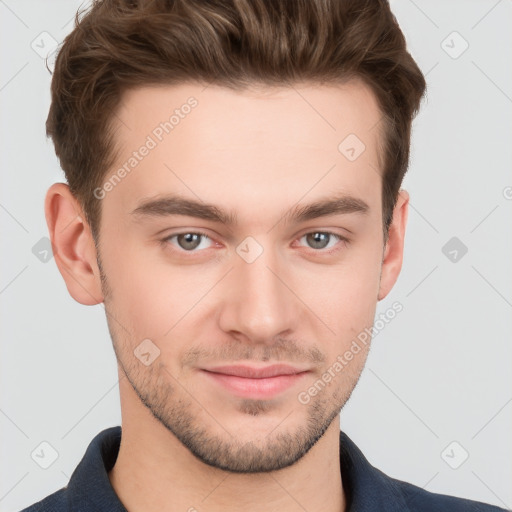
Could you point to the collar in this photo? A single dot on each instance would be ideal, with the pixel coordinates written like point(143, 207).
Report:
point(89, 487)
point(366, 488)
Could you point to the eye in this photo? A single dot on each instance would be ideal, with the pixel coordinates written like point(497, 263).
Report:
point(188, 241)
point(321, 239)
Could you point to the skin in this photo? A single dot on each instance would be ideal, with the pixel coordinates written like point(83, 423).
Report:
point(187, 443)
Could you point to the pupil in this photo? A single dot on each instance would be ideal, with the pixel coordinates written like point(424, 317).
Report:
point(318, 243)
point(190, 240)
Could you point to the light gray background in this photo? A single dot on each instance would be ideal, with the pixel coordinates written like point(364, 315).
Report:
point(439, 372)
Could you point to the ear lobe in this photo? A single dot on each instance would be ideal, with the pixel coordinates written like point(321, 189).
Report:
point(393, 254)
point(73, 246)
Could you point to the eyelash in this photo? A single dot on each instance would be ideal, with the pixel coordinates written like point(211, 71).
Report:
point(343, 241)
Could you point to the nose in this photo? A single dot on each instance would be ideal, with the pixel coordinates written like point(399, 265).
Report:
point(258, 302)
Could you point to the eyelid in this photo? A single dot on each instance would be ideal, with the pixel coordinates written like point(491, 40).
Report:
point(342, 233)
point(166, 239)
point(342, 242)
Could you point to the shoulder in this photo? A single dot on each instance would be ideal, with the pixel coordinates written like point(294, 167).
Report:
point(369, 488)
point(420, 500)
point(56, 502)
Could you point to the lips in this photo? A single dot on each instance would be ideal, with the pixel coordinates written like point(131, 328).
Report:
point(255, 383)
point(251, 372)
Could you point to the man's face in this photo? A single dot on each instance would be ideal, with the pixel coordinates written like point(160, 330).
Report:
point(268, 288)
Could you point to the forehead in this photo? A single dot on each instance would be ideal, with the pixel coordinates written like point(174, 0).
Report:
point(307, 113)
point(272, 144)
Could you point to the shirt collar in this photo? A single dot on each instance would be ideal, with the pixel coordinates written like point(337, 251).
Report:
point(89, 487)
point(366, 488)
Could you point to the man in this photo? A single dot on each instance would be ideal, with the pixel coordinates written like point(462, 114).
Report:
point(233, 198)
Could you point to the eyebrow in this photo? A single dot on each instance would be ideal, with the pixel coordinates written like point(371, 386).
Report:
point(176, 205)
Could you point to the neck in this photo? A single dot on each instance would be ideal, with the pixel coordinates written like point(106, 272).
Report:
point(155, 472)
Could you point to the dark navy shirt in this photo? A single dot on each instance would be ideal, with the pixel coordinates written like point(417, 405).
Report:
point(367, 489)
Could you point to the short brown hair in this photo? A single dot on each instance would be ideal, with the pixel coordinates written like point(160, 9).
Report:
point(118, 45)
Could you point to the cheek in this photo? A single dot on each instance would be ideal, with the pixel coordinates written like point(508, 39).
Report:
point(349, 290)
point(347, 304)
point(350, 310)
point(151, 297)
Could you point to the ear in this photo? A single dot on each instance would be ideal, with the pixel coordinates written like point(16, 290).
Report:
point(393, 253)
point(73, 245)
